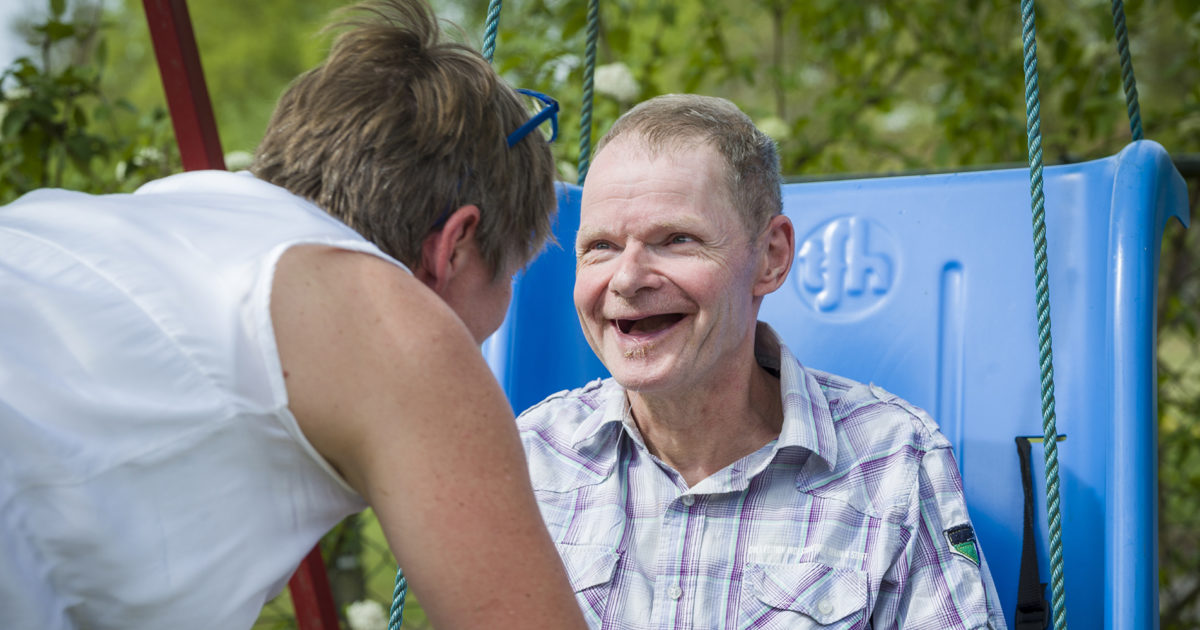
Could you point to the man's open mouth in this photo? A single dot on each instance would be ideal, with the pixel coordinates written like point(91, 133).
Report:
point(648, 325)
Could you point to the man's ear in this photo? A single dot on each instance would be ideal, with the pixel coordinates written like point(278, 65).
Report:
point(778, 251)
point(443, 252)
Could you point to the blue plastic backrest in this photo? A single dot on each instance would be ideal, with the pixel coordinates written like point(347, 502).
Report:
point(925, 286)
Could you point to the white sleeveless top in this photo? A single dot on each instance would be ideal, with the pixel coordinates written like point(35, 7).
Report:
point(151, 474)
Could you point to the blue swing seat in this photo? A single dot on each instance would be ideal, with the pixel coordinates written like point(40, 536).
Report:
point(924, 285)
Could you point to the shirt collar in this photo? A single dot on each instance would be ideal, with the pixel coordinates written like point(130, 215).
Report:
point(610, 410)
point(807, 420)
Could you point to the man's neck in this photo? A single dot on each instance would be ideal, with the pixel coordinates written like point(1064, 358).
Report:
point(701, 431)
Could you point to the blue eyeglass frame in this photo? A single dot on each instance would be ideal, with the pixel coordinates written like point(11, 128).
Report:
point(550, 111)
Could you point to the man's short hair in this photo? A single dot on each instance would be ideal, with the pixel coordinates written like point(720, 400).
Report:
point(398, 127)
point(677, 121)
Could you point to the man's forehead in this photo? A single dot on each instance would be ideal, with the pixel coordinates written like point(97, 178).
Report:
point(657, 146)
point(628, 172)
point(633, 185)
point(658, 220)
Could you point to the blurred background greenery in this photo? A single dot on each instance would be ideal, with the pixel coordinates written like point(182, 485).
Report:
point(846, 88)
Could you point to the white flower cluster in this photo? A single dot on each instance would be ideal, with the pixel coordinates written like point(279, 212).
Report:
point(148, 155)
point(142, 157)
point(366, 614)
point(238, 160)
point(616, 80)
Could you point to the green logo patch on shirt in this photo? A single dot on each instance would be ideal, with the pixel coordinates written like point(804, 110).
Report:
point(962, 542)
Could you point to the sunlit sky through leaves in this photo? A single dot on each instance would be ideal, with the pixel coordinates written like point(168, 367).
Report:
point(10, 43)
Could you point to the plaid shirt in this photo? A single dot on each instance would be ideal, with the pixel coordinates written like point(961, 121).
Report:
point(853, 518)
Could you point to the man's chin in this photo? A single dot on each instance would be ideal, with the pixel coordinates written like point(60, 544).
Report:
point(647, 366)
point(642, 378)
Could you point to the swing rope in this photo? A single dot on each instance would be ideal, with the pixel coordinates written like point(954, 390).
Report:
point(398, 595)
point(1127, 80)
point(589, 72)
point(1045, 352)
point(490, 29)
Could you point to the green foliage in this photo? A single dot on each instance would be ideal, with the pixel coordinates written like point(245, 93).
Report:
point(869, 89)
point(250, 51)
point(1179, 424)
point(58, 128)
point(844, 87)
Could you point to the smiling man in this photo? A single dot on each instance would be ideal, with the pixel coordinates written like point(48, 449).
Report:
point(714, 481)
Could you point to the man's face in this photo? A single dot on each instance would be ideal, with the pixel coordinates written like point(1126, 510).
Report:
point(664, 282)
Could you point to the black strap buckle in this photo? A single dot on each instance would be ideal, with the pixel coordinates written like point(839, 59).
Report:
point(1033, 610)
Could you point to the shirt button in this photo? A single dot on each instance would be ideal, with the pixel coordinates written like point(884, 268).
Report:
point(825, 606)
point(675, 592)
point(688, 500)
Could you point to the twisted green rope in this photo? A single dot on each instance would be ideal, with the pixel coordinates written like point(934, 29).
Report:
point(1045, 352)
point(398, 595)
point(589, 72)
point(1127, 80)
point(489, 34)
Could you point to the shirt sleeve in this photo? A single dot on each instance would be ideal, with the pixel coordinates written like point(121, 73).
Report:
point(941, 580)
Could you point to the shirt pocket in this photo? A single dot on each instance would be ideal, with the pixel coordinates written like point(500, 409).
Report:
point(803, 595)
point(590, 569)
point(588, 565)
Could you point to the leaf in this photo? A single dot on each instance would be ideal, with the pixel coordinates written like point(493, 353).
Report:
point(575, 22)
point(102, 53)
point(668, 12)
point(617, 37)
point(25, 70)
point(103, 111)
point(14, 121)
point(80, 153)
point(56, 31)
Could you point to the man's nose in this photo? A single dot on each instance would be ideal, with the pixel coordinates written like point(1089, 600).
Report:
point(635, 271)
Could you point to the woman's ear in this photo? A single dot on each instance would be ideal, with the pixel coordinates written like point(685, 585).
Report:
point(443, 251)
point(778, 251)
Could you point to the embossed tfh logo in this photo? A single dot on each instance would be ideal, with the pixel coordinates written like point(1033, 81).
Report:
point(845, 265)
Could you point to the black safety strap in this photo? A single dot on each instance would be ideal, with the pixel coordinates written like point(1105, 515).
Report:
point(1033, 611)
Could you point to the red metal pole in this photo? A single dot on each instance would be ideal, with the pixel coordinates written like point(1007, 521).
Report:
point(183, 82)
point(312, 597)
point(200, 148)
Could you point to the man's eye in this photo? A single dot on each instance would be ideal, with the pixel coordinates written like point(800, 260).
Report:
point(679, 239)
point(593, 247)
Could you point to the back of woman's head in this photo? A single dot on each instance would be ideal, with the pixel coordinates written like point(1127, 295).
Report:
point(398, 127)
